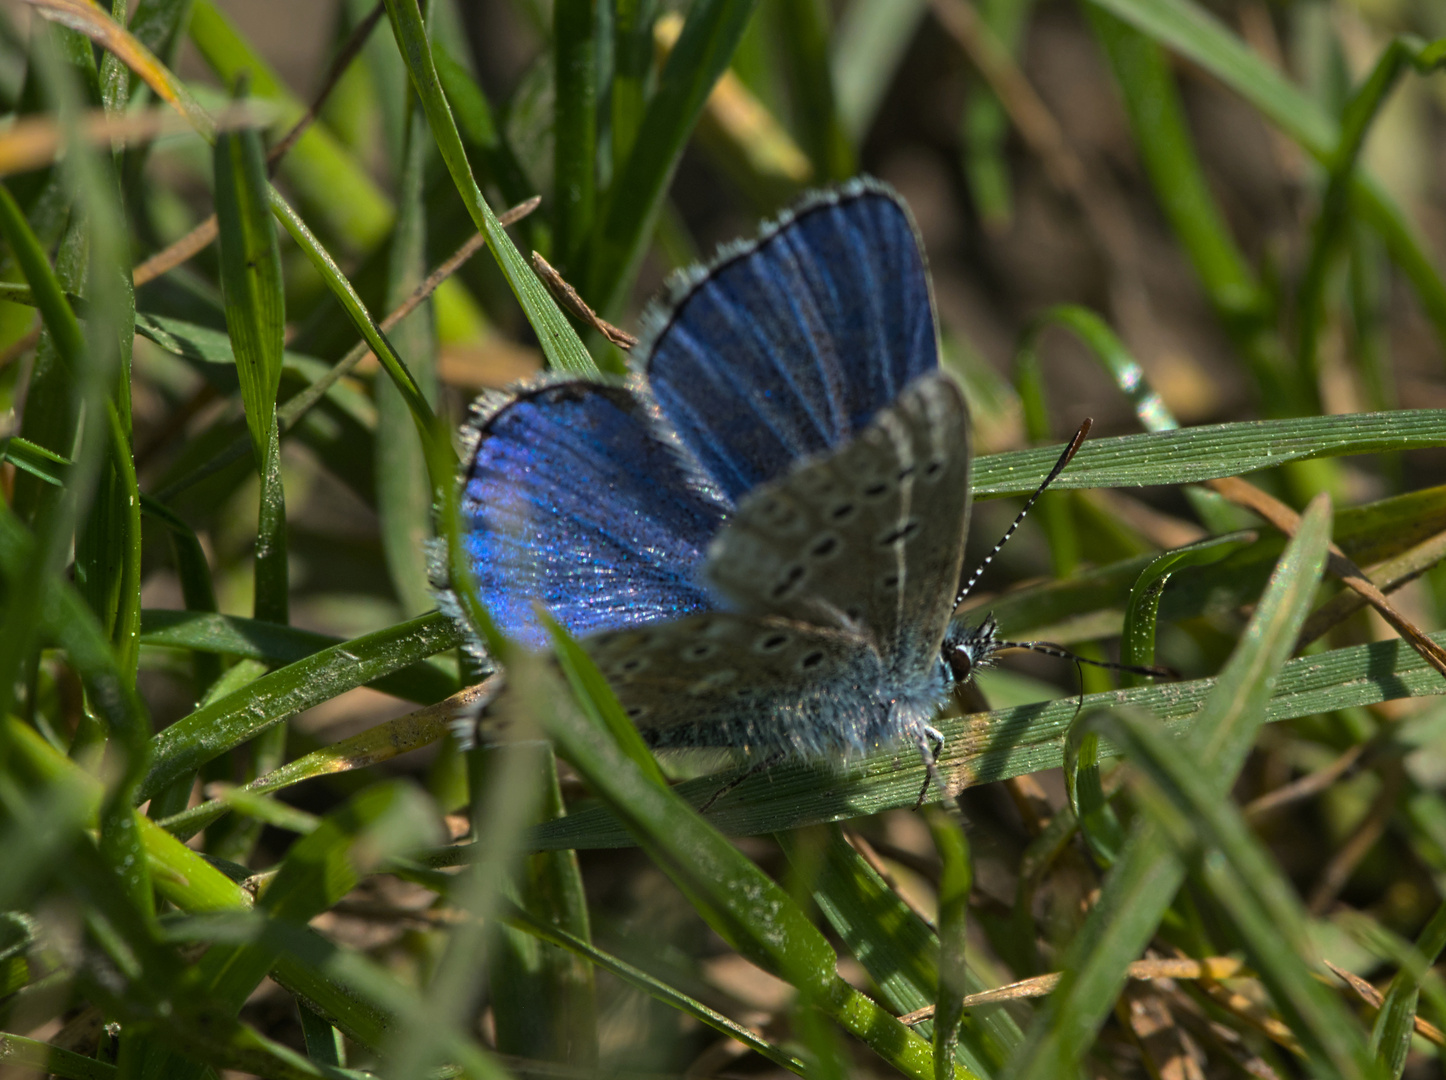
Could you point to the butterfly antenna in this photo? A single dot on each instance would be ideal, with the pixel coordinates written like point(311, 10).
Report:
point(1064, 459)
point(1049, 648)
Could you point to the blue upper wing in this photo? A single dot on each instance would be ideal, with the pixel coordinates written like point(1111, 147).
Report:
point(787, 348)
point(575, 499)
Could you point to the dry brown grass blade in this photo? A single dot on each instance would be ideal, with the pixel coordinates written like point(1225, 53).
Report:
point(1358, 845)
point(32, 142)
point(1373, 997)
point(1169, 1052)
point(1211, 969)
point(1306, 786)
point(1245, 494)
point(566, 295)
point(1390, 575)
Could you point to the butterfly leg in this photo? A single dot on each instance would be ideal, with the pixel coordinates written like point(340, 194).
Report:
point(931, 744)
point(762, 766)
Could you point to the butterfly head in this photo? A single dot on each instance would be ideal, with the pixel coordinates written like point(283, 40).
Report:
point(966, 649)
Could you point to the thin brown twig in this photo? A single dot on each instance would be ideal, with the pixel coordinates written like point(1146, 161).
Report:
point(295, 407)
point(1211, 969)
point(1358, 845)
point(569, 298)
point(1390, 575)
point(1375, 999)
point(1305, 786)
point(202, 236)
point(1245, 494)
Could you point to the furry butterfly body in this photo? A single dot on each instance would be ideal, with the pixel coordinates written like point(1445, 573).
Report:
point(758, 536)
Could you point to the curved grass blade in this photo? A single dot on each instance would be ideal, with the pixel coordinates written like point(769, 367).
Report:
point(1190, 30)
point(625, 225)
point(1146, 876)
point(560, 343)
point(1244, 880)
point(956, 878)
point(1395, 1023)
point(239, 717)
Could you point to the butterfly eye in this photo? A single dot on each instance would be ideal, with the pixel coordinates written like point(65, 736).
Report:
point(961, 664)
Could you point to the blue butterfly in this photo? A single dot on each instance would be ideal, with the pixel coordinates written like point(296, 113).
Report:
point(759, 535)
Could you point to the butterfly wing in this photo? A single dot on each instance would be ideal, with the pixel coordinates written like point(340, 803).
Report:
point(761, 684)
point(574, 498)
point(788, 346)
point(868, 539)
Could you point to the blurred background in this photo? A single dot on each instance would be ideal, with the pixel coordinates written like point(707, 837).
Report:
point(1050, 155)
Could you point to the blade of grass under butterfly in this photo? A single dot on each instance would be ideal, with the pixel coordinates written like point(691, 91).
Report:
point(560, 343)
point(640, 183)
point(746, 907)
point(956, 878)
point(1145, 877)
point(986, 747)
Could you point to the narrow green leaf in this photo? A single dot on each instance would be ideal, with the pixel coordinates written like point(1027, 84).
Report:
point(239, 717)
point(1396, 1022)
point(635, 199)
point(1145, 876)
point(956, 878)
point(574, 51)
point(560, 343)
point(256, 321)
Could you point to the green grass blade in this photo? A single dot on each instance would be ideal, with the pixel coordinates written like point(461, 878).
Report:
point(276, 645)
point(256, 320)
point(1330, 224)
point(804, 36)
point(1244, 880)
point(574, 51)
point(403, 496)
point(331, 184)
point(867, 50)
point(1194, 33)
point(1395, 1023)
point(956, 878)
point(746, 907)
point(635, 199)
point(560, 343)
point(241, 716)
point(1189, 455)
point(1145, 877)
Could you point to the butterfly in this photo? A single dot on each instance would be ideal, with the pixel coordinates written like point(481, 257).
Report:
point(758, 535)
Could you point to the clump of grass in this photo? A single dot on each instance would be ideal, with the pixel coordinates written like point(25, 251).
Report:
point(216, 448)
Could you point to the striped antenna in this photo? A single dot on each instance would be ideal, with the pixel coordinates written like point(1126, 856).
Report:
point(1049, 648)
point(1064, 459)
